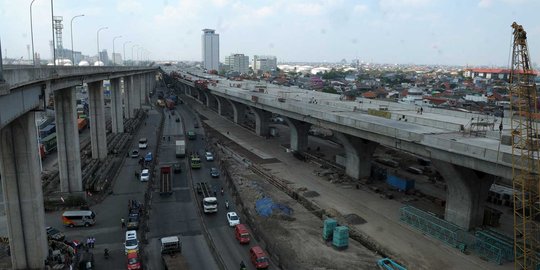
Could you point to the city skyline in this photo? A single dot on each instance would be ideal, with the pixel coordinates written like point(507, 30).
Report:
point(473, 33)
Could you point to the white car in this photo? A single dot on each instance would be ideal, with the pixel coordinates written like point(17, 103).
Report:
point(209, 156)
point(233, 219)
point(143, 143)
point(145, 175)
point(131, 241)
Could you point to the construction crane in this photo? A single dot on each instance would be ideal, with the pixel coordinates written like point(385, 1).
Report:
point(525, 154)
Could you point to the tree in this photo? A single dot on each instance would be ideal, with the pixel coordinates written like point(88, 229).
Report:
point(329, 89)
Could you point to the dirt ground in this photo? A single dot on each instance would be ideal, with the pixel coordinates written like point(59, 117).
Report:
point(296, 239)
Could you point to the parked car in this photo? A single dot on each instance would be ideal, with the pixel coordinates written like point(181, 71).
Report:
point(133, 261)
point(233, 219)
point(133, 222)
point(177, 168)
point(145, 175)
point(131, 241)
point(209, 156)
point(135, 153)
point(214, 172)
point(55, 234)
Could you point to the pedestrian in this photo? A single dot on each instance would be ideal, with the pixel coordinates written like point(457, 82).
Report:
point(123, 223)
point(421, 110)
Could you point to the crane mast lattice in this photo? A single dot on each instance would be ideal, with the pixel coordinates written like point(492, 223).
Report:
point(525, 155)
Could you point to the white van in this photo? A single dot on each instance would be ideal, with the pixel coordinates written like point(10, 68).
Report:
point(78, 218)
point(131, 241)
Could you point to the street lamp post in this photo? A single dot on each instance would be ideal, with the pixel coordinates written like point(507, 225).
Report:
point(102, 28)
point(139, 55)
point(1, 65)
point(72, 57)
point(32, 34)
point(114, 61)
point(132, 60)
point(124, 55)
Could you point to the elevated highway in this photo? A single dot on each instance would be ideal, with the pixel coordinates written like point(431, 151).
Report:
point(24, 90)
point(468, 158)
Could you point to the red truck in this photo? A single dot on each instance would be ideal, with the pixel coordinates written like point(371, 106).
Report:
point(81, 123)
point(165, 180)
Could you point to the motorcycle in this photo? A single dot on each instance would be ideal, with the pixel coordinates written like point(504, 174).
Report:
point(227, 205)
point(106, 254)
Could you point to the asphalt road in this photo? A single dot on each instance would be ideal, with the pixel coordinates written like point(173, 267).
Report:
point(107, 230)
point(176, 214)
point(230, 251)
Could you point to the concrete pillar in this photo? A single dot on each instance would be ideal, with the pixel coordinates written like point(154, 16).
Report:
point(359, 153)
point(466, 193)
point(299, 134)
point(136, 92)
point(23, 197)
point(98, 130)
point(206, 98)
point(262, 119)
point(128, 95)
point(142, 89)
point(116, 107)
point(239, 112)
point(212, 101)
point(67, 137)
point(153, 82)
point(220, 107)
point(225, 108)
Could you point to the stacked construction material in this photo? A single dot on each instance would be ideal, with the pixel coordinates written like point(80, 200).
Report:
point(328, 229)
point(340, 239)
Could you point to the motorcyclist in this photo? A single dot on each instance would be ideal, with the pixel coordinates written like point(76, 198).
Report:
point(106, 253)
point(222, 191)
point(242, 265)
point(226, 204)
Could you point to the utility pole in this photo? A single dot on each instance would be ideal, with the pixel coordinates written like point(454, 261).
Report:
point(4, 87)
point(2, 81)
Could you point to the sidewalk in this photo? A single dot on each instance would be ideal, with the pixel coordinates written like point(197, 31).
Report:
point(381, 215)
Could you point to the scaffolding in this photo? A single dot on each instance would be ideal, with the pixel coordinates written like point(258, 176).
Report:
point(494, 246)
point(58, 26)
point(433, 226)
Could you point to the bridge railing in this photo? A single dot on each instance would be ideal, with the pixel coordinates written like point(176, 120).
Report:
point(17, 76)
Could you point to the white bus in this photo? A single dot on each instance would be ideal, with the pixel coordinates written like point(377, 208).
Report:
point(78, 218)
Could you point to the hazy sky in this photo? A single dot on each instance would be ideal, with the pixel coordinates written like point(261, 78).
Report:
point(461, 32)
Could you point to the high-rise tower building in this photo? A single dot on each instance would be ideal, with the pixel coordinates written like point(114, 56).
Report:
point(264, 63)
point(210, 49)
point(238, 62)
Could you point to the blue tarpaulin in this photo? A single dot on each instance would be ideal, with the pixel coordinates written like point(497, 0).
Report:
point(265, 207)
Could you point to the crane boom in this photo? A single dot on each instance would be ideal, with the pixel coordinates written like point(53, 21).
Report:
point(525, 155)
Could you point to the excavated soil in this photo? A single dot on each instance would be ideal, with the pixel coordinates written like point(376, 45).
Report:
point(295, 240)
